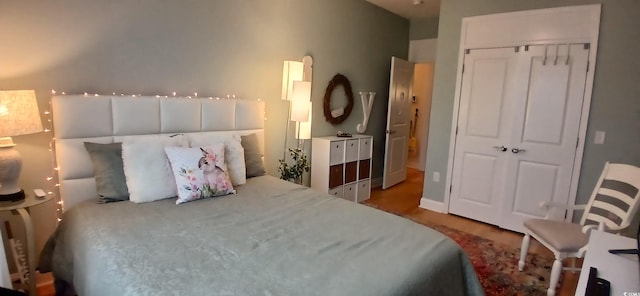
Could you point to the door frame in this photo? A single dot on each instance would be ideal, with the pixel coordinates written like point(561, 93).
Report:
point(500, 30)
point(424, 116)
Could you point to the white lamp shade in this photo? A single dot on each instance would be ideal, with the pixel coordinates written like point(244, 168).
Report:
point(19, 113)
point(292, 71)
point(303, 129)
point(301, 91)
point(300, 111)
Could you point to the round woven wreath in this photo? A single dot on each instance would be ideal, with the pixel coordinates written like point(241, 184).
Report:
point(339, 79)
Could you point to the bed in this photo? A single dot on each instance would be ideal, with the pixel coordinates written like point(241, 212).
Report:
point(269, 238)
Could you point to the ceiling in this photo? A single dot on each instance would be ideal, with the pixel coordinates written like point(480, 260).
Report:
point(410, 9)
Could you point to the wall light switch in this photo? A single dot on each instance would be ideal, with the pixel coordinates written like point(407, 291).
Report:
point(599, 137)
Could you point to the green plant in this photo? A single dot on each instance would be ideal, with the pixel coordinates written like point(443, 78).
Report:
point(294, 172)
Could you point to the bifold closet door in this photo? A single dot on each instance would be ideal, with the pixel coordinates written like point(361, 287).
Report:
point(544, 132)
point(518, 126)
point(482, 134)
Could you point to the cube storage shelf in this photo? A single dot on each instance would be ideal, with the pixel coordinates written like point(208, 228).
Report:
point(342, 166)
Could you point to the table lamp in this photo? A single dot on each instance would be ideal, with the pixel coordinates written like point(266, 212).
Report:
point(19, 115)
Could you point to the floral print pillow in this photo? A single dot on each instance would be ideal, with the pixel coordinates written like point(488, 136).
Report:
point(200, 172)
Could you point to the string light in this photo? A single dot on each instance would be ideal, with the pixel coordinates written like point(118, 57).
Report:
point(53, 190)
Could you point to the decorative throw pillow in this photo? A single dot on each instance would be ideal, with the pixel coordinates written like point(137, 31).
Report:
point(233, 153)
point(252, 156)
point(111, 184)
point(200, 172)
point(147, 167)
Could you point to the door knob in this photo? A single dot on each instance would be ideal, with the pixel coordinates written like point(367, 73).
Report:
point(516, 150)
point(501, 148)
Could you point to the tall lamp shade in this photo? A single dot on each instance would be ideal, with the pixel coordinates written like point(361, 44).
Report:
point(300, 101)
point(301, 109)
point(303, 129)
point(292, 71)
point(19, 115)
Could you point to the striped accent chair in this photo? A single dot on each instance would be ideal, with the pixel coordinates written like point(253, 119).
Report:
point(612, 207)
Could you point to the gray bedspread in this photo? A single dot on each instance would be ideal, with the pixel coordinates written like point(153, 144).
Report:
point(271, 238)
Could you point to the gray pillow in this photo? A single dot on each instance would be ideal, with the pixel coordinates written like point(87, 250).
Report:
point(111, 184)
point(252, 155)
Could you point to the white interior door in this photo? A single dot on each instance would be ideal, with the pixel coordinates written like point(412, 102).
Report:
point(483, 134)
point(544, 133)
point(398, 118)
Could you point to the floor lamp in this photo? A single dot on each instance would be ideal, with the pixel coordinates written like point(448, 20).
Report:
point(295, 71)
point(292, 71)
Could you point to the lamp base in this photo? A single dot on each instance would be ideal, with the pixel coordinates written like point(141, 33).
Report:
point(18, 196)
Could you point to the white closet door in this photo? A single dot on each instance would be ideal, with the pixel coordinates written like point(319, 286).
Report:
point(485, 109)
point(544, 131)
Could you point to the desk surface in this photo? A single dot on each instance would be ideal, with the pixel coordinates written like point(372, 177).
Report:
point(622, 271)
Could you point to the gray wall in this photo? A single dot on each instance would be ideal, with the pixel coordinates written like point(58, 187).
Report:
point(211, 47)
point(426, 28)
point(615, 106)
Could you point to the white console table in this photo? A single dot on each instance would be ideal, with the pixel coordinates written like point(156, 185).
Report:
point(622, 271)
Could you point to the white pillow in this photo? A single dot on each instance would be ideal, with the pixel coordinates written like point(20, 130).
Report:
point(200, 172)
point(233, 152)
point(147, 168)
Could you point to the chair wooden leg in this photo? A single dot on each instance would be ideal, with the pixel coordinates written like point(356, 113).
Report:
point(555, 276)
point(523, 250)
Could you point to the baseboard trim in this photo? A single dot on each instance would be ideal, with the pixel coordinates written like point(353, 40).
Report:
point(432, 205)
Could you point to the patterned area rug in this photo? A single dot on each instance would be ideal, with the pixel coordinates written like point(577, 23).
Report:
point(497, 264)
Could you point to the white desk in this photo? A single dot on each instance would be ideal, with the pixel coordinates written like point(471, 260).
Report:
point(622, 271)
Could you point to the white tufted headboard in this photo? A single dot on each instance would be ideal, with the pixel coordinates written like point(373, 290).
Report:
point(109, 119)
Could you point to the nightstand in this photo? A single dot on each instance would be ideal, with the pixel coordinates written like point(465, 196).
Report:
point(22, 208)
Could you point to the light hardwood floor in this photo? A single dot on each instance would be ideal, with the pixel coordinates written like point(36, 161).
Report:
point(404, 198)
